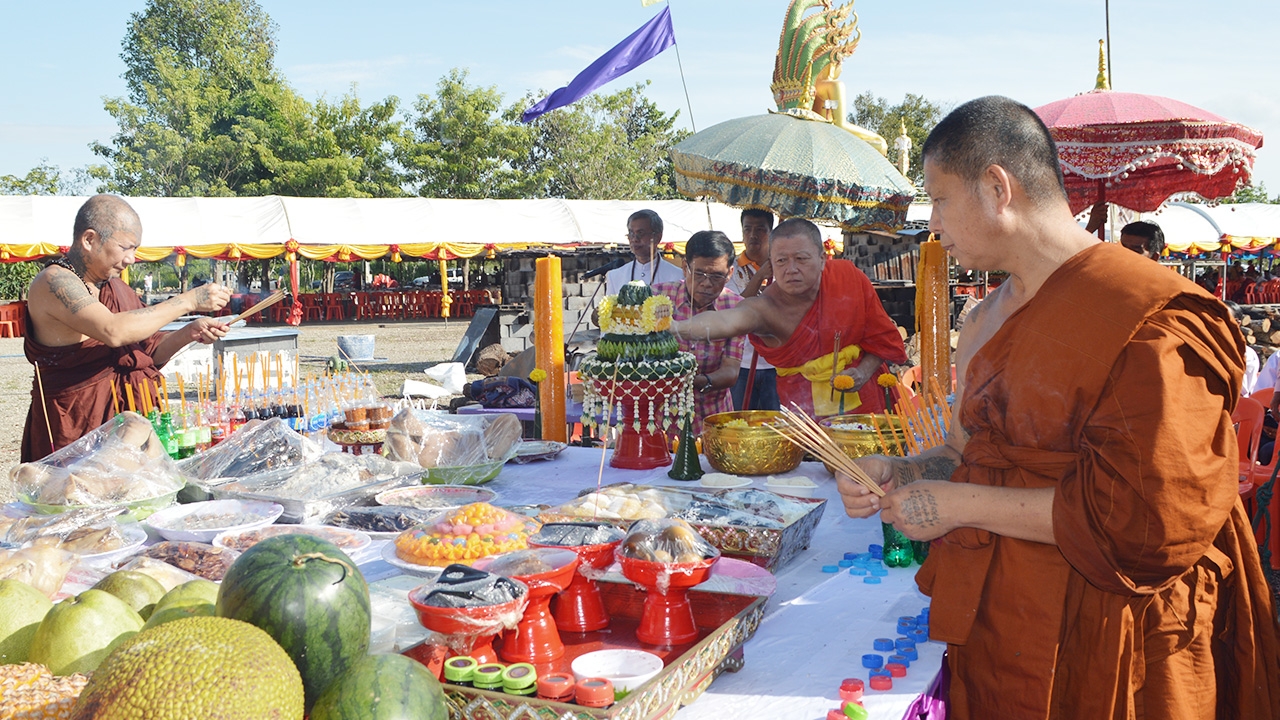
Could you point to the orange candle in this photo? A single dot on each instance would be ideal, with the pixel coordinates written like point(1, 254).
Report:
point(548, 324)
point(933, 316)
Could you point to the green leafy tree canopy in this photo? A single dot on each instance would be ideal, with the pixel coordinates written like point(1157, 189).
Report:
point(920, 115)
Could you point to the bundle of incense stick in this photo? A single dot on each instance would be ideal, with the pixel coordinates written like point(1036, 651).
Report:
point(267, 302)
point(926, 422)
point(802, 431)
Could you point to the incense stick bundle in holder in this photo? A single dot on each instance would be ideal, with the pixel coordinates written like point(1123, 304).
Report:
point(926, 418)
point(802, 431)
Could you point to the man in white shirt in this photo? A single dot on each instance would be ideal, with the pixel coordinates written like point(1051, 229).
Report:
point(750, 271)
point(1252, 376)
point(1268, 374)
point(644, 233)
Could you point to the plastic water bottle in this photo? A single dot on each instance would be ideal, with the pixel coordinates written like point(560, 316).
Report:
point(897, 547)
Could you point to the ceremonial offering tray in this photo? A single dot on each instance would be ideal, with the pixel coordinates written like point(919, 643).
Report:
point(723, 517)
point(203, 521)
point(724, 623)
point(358, 442)
point(739, 443)
point(856, 434)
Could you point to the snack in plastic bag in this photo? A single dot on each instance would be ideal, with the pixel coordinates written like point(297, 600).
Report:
point(120, 462)
point(78, 526)
point(169, 576)
point(202, 559)
point(255, 449)
point(577, 534)
point(436, 439)
point(460, 586)
point(464, 535)
point(326, 475)
point(666, 541)
point(523, 563)
point(43, 567)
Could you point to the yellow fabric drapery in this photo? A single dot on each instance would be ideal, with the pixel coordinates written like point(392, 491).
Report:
point(248, 251)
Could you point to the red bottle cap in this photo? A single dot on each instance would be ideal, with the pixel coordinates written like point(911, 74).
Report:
point(836, 714)
point(556, 686)
point(880, 682)
point(851, 689)
point(594, 692)
point(851, 684)
point(896, 669)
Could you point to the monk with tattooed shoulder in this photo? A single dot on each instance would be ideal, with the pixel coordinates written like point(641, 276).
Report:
point(1091, 557)
point(87, 331)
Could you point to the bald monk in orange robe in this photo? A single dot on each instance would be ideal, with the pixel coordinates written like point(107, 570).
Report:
point(1092, 558)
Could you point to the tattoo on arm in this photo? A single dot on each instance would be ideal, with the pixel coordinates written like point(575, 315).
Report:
point(70, 291)
point(907, 471)
point(919, 508)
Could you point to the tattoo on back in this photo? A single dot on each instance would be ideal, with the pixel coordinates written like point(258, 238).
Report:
point(70, 291)
point(919, 508)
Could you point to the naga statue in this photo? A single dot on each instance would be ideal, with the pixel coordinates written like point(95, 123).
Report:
point(806, 72)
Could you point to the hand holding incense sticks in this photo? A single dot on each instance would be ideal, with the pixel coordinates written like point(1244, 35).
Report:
point(802, 431)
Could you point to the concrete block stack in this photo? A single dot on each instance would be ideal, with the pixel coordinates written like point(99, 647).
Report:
point(580, 294)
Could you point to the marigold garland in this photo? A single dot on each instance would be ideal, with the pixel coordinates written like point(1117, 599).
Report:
point(842, 383)
point(537, 375)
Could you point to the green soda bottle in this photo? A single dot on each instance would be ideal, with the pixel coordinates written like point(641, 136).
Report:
point(897, 547)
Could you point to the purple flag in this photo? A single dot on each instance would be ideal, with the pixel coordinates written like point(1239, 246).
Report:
point(641, 46)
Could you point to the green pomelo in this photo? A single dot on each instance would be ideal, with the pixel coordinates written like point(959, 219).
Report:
point(309, 596)
point(79, 632)
point(140, 592)
point(178, 612)
point(194, 592)
point(22, 607)
point(383, 687)
point(205, 667)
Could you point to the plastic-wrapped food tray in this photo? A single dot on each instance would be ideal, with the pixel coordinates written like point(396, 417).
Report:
point(312, 510)
point(725, 621)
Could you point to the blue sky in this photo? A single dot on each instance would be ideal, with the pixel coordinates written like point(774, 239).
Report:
point(58, 59)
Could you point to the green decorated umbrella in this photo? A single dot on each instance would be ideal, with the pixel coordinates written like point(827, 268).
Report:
point(795, 167)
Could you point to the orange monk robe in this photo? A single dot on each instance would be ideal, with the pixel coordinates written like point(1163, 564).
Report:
point(846, 304)
point(78, 380)
point(1114, 385)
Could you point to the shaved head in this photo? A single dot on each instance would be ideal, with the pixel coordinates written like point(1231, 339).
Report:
point(105, 215)
point(800, 228)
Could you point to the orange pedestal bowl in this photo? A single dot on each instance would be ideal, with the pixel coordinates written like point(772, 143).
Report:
point(667, 618)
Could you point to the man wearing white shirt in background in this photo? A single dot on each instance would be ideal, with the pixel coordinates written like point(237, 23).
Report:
point(644, 233)
point(1251, 379)
point(750, 272)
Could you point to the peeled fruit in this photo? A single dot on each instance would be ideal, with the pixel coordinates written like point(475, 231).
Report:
point(79, 632)
point(204, 667)
point(22, 607)
point(140, 592)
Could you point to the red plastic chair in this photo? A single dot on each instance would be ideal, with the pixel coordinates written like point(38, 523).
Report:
point(334, 307)
point(1248, 421)
point(311, 309)
point(363, 303)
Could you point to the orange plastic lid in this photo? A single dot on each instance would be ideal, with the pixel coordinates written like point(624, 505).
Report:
point(594, 692)
point(556, 686)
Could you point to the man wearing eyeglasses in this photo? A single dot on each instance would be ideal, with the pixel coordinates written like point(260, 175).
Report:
point(644, 233)
point(708, 258)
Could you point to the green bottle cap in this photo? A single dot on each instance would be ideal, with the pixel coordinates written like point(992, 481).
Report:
point(459, 669)
point(488, 676)
point(519, 677)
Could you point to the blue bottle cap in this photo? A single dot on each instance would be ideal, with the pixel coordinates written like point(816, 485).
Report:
point(875, 549)
point(871, 580)
point(878, 671)
point(909, 620)
point(845, 563)
point(925, 611)
point(919, 635)
point(858, 571)
point(900, 659)
point(882, 644)
point(880, 571)
point(922, 619)
point(904, 642)
point(909, 653)
point(830, 569)
point(851, 556)
point(872, 661)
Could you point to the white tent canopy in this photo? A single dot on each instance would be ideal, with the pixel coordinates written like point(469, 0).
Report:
point(274, 220)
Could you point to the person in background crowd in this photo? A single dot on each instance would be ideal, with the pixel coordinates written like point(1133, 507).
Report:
point(1144, 238)
point(1251, 362)
point(750, 272)
point(644, 233)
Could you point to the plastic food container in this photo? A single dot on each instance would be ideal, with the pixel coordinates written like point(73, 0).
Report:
point(199, 522)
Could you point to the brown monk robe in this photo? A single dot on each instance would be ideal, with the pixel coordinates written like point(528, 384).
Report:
point(78, 380)
point(1114, 383)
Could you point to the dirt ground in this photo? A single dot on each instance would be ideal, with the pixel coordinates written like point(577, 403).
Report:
point(403, 350)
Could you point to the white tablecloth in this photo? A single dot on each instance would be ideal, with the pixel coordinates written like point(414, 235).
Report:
point(817, 626)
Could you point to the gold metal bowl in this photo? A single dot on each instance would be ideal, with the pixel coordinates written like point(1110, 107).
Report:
point(860, 443)
point(752, 450)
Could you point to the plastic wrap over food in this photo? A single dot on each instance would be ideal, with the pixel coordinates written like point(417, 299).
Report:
point(327, 475)
point(120, 462)
point(200, 559)
point(666, 541)
point(436, 439)
point(379, 518)
point(81, 530)
point(43, 567)
point(169, 576)
point(256, 448)
point(577, 534)
point(460, 586)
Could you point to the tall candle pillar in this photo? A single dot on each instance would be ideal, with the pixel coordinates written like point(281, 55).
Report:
point(933, 315)
point(548, 326)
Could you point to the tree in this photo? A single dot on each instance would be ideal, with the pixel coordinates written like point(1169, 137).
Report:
point(920, 115)
point(1251, 194)
point(43, 179)
point(605, 147)
point(463, 145)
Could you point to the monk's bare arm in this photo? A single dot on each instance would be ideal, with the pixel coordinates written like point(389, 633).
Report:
point(60, 295)
point(895, 472)
point(746, 317)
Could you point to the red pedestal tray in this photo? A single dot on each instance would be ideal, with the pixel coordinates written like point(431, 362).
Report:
point(578, 608)
point(640, 400)
point(668, 617)
point(469, 630)
point(535, 639)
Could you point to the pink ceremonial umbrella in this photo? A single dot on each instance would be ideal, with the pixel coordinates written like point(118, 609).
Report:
point(1136, 150)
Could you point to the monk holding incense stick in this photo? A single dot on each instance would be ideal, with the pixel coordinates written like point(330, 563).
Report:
point(89, 335)
point(1091, 556)
point(819, 318)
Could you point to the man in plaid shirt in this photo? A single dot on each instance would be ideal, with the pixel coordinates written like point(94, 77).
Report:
point(709, 260)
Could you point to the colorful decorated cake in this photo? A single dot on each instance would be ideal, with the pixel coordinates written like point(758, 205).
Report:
point(465, 535)
point(635, 344)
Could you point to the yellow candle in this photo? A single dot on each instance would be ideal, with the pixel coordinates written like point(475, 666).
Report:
point(548, 326)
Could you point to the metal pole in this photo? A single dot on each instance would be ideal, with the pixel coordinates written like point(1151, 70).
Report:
point(1111, 78)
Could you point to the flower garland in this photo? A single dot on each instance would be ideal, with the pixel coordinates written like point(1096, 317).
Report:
point(605, 313)
point(655, 315)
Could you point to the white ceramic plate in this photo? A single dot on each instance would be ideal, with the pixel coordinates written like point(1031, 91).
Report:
point(389, 554)
point(348, 541)
point(436, 497)
point(723, 481)
point(530, 450)
point(134, 537)
point(626, 669)
point(204, 521)
point(793, 485)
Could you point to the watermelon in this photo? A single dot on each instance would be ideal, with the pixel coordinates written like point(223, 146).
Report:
point(309, 596)
point(383, 687)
